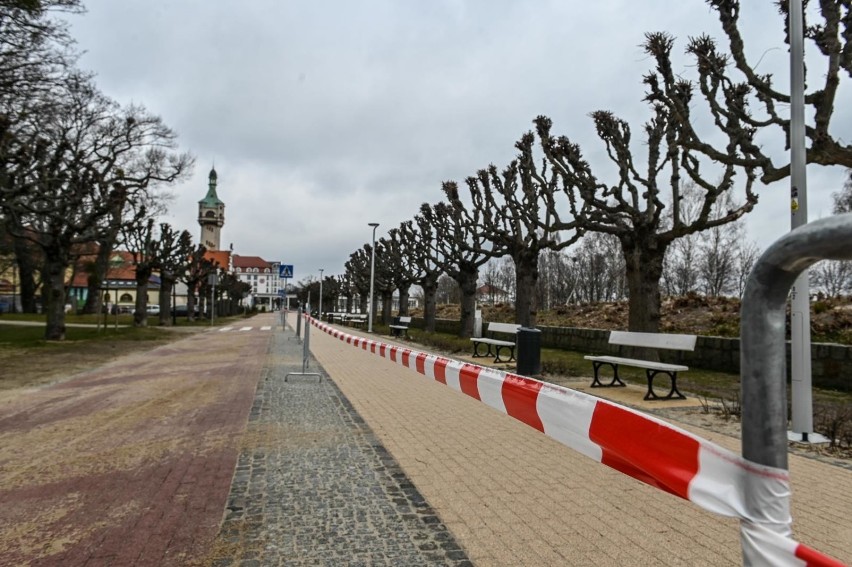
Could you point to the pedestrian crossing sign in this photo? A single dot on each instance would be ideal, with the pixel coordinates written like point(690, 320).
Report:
point(285, 271)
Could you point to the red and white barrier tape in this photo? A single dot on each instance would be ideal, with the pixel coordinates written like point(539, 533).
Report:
point(636, 444)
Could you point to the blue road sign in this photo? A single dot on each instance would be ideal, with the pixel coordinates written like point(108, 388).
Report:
point(280, 293)
point(285, 271)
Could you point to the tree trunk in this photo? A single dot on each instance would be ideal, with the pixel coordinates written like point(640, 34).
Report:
point(387, 307)
point(403, 300)
point(140, 314)
point(363, 300)
point(644, 269)
point(166, 286)
point(54, 296)
point(97, 274)
point(190, 303)
point(526, 278)
point(467, 285)
point(26, 276)
point(430, 303)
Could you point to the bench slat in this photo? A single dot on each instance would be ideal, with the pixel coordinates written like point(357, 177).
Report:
point(639, 363)
point(503, 328)
point(653, 340)
point(492, 341)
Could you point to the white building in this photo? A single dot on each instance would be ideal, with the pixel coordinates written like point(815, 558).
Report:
point(263, 278)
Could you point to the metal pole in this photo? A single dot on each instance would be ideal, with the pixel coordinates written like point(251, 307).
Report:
point(763, 357)
point(319, 311)
point(299, 322)
point(372, 279)
point(800, 306)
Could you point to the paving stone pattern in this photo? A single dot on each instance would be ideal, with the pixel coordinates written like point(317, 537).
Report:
point(314, 486)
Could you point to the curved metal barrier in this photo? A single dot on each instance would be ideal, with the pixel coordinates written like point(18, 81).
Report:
point(763, 363)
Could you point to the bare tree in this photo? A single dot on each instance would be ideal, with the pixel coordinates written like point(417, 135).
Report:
point(509, 210)
point(172, 254)
point(420, 239)
point(843, 198)
point(347, 289)
point(198, 268)
point(835, 277)
point(461, 250)
point(633, 208)
point(404, 269)
point(85, 157)
point(142, 242)
point(742, 98)
point(358, 270)
point(599, 272)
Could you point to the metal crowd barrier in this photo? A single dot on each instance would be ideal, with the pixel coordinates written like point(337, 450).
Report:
point(763, 366)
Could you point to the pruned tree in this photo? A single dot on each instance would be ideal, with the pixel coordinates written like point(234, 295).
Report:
point(404, 270)
point(510, 213)
point(358, 269)
point(198, 268)
point(460, 250)
point(384, 278)
point(346, 289)
point(420, 238)
point(142, 242)
point(741, 97)
point(633, 207)
point(172, 254)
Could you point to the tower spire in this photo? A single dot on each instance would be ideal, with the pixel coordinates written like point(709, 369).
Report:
point(211, 213)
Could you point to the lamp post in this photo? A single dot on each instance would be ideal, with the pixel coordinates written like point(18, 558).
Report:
point(372, 279)
point(319, 311)
point(800, 304)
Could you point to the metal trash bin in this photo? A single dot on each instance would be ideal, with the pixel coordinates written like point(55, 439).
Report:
point(529, 351)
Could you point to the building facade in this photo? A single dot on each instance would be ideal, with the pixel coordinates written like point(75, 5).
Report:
point(263, 278)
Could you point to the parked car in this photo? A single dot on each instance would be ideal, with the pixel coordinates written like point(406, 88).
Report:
point(153, 309)
point(182, 311)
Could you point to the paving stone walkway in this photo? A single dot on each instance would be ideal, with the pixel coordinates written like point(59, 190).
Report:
point(314, 486)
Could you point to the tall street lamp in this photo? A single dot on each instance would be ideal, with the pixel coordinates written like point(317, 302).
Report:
point(319, 312)
point(372, 279)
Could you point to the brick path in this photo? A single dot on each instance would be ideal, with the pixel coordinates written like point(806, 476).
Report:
point(512, 496)
point(129, 464)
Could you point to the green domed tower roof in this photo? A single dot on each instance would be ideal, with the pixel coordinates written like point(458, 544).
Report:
point(211, 199)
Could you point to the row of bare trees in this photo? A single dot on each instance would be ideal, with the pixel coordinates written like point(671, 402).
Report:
point(661, 190)
point(78, 171)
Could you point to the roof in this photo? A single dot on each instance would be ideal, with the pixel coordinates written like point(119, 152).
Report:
point(211, 199)
point(121, 269)
point(250, 262)
point(221, 257)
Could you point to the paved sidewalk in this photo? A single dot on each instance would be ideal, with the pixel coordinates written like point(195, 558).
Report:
point(512, 496)
point(314, 486)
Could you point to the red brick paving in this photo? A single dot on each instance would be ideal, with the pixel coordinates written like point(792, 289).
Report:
point(129, 464)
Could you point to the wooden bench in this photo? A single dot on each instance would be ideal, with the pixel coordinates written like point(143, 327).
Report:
point(498, 344)
point(645, 340)
point(400, 327)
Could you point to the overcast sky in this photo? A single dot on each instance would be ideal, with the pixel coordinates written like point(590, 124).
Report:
point(323, 115)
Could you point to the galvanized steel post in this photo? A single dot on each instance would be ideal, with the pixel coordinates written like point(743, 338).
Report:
point(763, 353)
